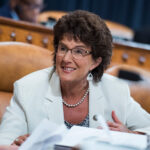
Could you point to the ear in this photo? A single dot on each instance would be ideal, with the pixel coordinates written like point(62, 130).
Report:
point(96, 63)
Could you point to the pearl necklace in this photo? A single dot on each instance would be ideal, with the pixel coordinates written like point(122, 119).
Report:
point(75, 105)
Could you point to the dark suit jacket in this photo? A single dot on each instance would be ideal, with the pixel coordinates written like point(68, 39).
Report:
point(5, 11)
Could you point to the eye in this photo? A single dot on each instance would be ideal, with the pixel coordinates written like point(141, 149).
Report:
point(78, 51)
point(63, 48)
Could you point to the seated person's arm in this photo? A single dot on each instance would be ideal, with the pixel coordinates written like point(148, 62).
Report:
point(137, 117)
point(13, 122)
point(11, 147)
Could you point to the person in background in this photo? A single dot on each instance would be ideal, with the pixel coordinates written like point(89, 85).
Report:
point(76, 88)
point(26, 10)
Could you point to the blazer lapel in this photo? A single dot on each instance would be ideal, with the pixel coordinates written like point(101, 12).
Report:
point(53, 101)
point(54, 106)
point(96, 102)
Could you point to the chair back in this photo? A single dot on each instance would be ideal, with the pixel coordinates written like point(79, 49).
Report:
point(17, 60)
point(120, 31)
point(138, 80)
point(45, 16)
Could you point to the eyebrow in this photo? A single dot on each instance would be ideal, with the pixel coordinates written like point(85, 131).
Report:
point(81, 46)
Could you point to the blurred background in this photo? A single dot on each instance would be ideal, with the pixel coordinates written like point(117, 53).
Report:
point(132, 13)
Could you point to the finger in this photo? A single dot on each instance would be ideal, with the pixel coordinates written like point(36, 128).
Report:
point(115, 118)
point(18, 143)
point(112, 124)
point(20, 140)
point(27, 135)
point(114, 129)
point(24, 137)
point(8, 147)
point(120, 128)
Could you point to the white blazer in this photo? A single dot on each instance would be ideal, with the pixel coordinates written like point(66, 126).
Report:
point(38, 96)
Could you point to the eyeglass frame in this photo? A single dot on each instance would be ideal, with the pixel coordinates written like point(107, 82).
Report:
point(71, 50)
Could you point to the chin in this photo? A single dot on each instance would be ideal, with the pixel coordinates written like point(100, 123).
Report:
point(66, 79)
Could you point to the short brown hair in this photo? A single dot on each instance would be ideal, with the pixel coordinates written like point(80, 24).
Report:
point(90, 29)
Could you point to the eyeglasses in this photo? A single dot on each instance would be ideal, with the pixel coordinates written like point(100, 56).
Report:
point(77, 53)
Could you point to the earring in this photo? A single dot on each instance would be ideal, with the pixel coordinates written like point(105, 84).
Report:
point(90, 76)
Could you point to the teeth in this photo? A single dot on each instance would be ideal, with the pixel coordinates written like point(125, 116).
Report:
point(68, 69)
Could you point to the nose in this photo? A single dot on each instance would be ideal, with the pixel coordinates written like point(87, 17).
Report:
point(67, 56)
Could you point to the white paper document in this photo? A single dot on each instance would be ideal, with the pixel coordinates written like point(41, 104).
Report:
point(44, 136)
point(76, 135)
point(48, 133)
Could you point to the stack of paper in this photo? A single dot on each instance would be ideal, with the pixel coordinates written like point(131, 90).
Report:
point(78, 135)
point(47, 134)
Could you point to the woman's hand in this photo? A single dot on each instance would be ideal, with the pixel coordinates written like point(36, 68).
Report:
point(117, 125)
point(20, 140)
point(11, 147)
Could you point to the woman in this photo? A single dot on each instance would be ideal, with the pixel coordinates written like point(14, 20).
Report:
point(75, 89)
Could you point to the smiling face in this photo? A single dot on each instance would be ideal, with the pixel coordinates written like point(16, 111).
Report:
point(71, 69)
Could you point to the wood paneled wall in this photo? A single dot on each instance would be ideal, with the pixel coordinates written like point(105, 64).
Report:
point(131, 53)
point(20, 31)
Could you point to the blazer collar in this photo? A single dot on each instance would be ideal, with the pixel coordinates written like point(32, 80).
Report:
point(53, 100)
point(54, 91)
point(54, 106)
point(96, 102)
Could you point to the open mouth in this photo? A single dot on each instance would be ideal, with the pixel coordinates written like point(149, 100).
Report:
point(68, 69)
